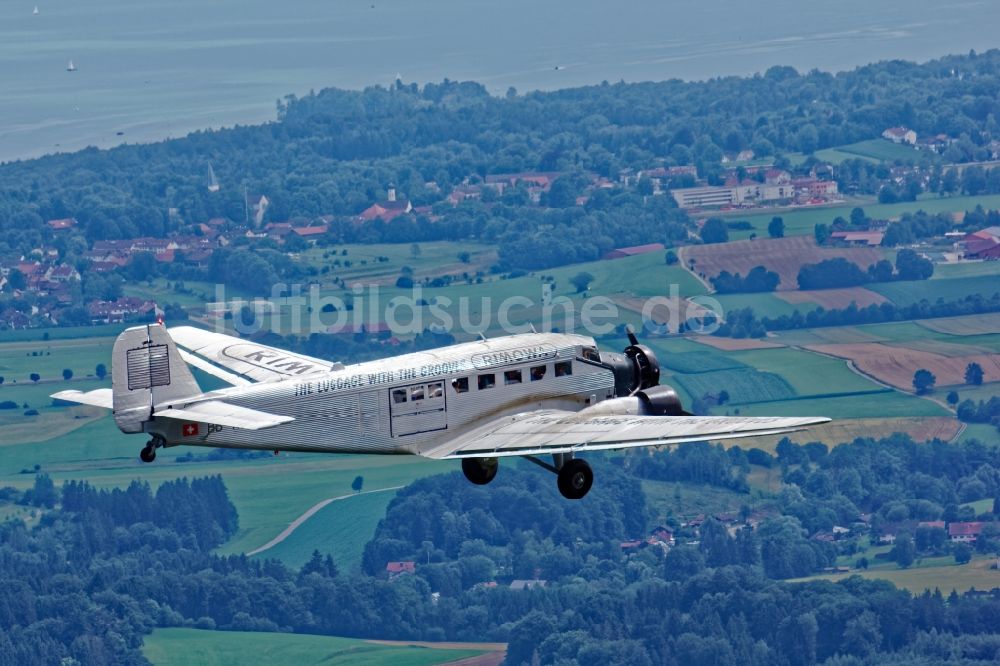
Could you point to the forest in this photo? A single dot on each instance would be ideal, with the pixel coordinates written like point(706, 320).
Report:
point(105, 567)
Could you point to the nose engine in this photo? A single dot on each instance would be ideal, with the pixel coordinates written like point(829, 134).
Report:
point(637, 376)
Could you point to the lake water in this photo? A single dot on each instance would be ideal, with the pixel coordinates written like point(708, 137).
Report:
point(152, 70)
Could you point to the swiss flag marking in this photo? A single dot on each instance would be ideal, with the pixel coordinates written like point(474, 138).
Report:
point(189, 429)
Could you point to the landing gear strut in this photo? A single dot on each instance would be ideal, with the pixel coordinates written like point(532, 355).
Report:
point(574, 476)
point(480, 471)
point(148, 453)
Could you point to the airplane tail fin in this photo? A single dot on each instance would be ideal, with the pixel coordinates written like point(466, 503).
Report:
point(147, 370)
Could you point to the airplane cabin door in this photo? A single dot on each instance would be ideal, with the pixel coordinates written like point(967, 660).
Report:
point(418, 408)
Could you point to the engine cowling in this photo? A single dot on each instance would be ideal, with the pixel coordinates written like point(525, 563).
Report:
point(659, 400)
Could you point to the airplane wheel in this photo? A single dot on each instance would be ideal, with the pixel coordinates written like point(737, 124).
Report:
point(148, 454)
point(575, 479)
point(480, 471)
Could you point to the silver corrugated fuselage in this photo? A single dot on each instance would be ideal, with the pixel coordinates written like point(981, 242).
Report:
point(393, 405)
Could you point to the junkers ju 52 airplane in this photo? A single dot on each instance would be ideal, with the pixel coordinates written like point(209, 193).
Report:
point(529, 395)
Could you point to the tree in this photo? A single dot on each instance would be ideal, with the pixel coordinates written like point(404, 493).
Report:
point(963, 554)
point(670, 258)
point(415, 250)
point(912, 266)
point(822, 233)
point(16, 279)
point(581, 281)
point(714, 231)
point(776, 228)
point(67, 374)
point(923, 381)
point(974, 374)
point(358, 483)
point(904, 552)
point(34, 376)
point(952, 398)
point(464, 257)
point(101, 371)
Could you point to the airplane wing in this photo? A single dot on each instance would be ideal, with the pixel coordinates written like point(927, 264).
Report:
point(239, 362)
point(555, 431)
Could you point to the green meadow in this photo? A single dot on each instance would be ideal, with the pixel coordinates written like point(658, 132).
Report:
point(188, 647)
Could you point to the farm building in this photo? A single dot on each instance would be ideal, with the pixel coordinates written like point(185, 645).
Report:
point(858, 238)
point(621, 252)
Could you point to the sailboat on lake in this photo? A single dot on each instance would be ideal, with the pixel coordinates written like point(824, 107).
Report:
point(70, 67)
point(35, 12)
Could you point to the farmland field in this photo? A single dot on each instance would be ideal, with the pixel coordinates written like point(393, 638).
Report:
point(803, 221)
point(881, 150)
point(165, 647)
point(887, 403)
point(981, 324)
point(784, 256)
point(907, 293)
point(764, 305)
point(744, 385)
point(695, 362)
point(735, 344)
point(807, 373)
point(833, 298)
point(975, 575)
point(841, 431)
point(340, 528)
point(896, 365)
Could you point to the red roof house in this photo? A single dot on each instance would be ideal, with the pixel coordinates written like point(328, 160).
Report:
point(964, 532)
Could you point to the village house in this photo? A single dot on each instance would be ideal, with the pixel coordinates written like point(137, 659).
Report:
point(117, 311)
point(527, 584)
point(395, 569)
point(900, 135)
point(964, 532)
point(62, 224)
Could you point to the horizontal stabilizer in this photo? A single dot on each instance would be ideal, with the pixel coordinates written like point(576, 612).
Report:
point(224, 414)
point(96, 398)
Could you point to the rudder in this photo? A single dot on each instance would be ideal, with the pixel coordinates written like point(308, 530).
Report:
point(147, 370)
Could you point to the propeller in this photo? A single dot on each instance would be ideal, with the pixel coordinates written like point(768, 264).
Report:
point(647, 368)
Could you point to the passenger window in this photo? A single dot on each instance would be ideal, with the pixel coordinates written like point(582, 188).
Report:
point(461, 384)
point(564, 368)
point(417, 393)
point(512, 377)
point(435, 390)
point(487, 381)
point(537, 372)
point(399, 396)
point(591, 354)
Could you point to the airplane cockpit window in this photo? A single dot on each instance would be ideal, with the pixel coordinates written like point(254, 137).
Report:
point(435, 390)
point(537, 372)
point(564, 368)
point(512, 377)
point(460, 384)
point(487, 381)
point(417, 393)
point(591, 354)
point(399, 396)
